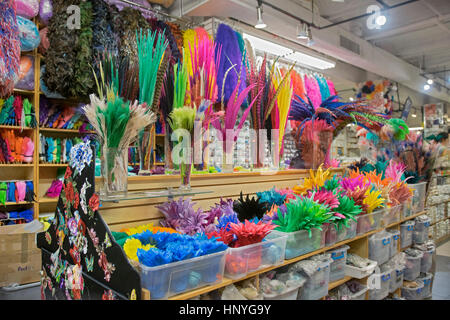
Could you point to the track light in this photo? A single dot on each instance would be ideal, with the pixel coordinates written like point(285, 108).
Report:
point(259, 23)
point(303, 31)
point(430, 81)
point(426, 87)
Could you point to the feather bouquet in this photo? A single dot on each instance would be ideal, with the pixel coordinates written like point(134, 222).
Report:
point(317, 180)
point(249, 208)
point(117, 124)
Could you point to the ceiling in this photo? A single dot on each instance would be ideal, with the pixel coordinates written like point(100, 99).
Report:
point(417, 32)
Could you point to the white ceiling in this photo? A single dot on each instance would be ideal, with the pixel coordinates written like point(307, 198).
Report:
point(418, 32)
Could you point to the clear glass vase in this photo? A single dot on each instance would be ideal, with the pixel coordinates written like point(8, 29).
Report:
point(185, 173)
point(114, 168)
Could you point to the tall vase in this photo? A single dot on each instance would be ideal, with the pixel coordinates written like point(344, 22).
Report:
point(227, 157)
point(114, 168)
point(314, 151)
point(186, 167)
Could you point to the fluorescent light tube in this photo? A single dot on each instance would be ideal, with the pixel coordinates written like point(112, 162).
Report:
point(267, 46)
point(311, 61)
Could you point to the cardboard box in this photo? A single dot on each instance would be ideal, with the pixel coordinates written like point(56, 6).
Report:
point(20, 259)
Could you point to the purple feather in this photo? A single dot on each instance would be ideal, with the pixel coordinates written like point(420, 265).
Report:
point(230, 55)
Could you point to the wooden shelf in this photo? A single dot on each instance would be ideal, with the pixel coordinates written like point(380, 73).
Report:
point(16, 203)
point(21, 91)
point(53, 164)
point(43, 129)
point(5, 126)
point(337, 283)
point(440, 220)
point(48, 200)
point(16, 165)
point(160, 135)
point(159, 163)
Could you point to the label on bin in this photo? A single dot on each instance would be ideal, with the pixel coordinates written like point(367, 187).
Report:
point(395, 237)
point(427, 224)
point(386, 277)
point(334, 256)
point(386, 241)
point(410, 228)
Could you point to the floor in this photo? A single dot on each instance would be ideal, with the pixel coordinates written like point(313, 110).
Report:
point(441, 282)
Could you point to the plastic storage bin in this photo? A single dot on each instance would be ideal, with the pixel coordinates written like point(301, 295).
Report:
point(427, 260)
point(360, 273)
point(331, 235)
point(426, 279)
point(351, 230)
point(30, 291)
point(290, 294)
point(413, 293)
point(379, 247)
point(393, 247)
point(337, 267)
point(383, 280)
point(242, 260)
point(369, 222)
point(177, 277)
point(396, 279)
point(406, 234)
point(299, 242)
point(420, 234)
point(407, 208)
point(360, 295)
point(412, 267)
point(392, 215)
point(316, 287)
point(418, 198)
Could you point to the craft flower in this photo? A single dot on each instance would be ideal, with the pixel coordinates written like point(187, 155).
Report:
point(315, 181)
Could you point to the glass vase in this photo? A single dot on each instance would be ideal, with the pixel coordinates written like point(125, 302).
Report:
point(314, 149)
point(185, 173)
point(114, 169)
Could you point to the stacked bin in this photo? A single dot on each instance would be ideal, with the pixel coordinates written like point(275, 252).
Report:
point(396, 279)
point(170, 279)
point(331, 234)
point(406, 234)
point(300, 242)
point(316, 286)
point(382, 281)
point(413, 293)
point(392, 215)
point(351, 230)
point(418, 198)
point(337, 267)
point(426, 279)
point(395, 237)
point(427, 260)
point(379, 247)
point(369, 222)
point(412, 267)
point(246, 259)
point(407, 208)
point(420, 234)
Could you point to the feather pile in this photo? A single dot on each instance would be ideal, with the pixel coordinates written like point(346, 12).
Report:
point(249, 208)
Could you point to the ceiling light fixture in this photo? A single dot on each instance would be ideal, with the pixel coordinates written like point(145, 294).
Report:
point(430, 81)
point(381, 20)
point(303, 31)
point(426, 87)
point(414, 115)
point(311, 61)
point(351, 99)
point(267, 46)
point(259, 20)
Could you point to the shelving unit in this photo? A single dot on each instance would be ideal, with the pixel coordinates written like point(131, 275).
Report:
point(358, 245)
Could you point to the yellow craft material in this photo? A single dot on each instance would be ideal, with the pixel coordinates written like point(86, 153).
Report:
point(284, 103)
point(131, 246)
point(189, 37)
point(147, 227)
point(373, 200)
point(317, 180)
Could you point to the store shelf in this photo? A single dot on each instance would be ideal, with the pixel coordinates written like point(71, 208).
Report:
point(48, 200)
point(4, 126)
point(442, 239)
point(226, 281)
point(43, 129)
point(159, 163)
point(440, 220)
point(53, 164)
point(164, 193)
point(337, 283)
point(15, 203)
point(16, 165)
point(21, 91)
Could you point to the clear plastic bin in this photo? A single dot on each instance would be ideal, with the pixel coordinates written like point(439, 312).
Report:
point(392, 215)
point(359, 273)
point(369, 222)
point(413, 293)
point(418, 198)
point(337, 267)
point(420, 236)
point(395, 237)
point(379, 247)
point(426, 279)
point(383, 279)
point(407, 208)
point(421, 225)
point(299, 242)
point(406, 234)
point(427, 261)
point(351, 230)
point(290, 294)
point(412, 267)
point(242, 260)
point(316, 287)
point(177, 277)
point(360, 295)
point(330, 235)
point(396, 279)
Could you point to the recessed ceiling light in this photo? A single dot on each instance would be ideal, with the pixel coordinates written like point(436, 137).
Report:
point(430, 81)
point(426, 87)
point(381, 20)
